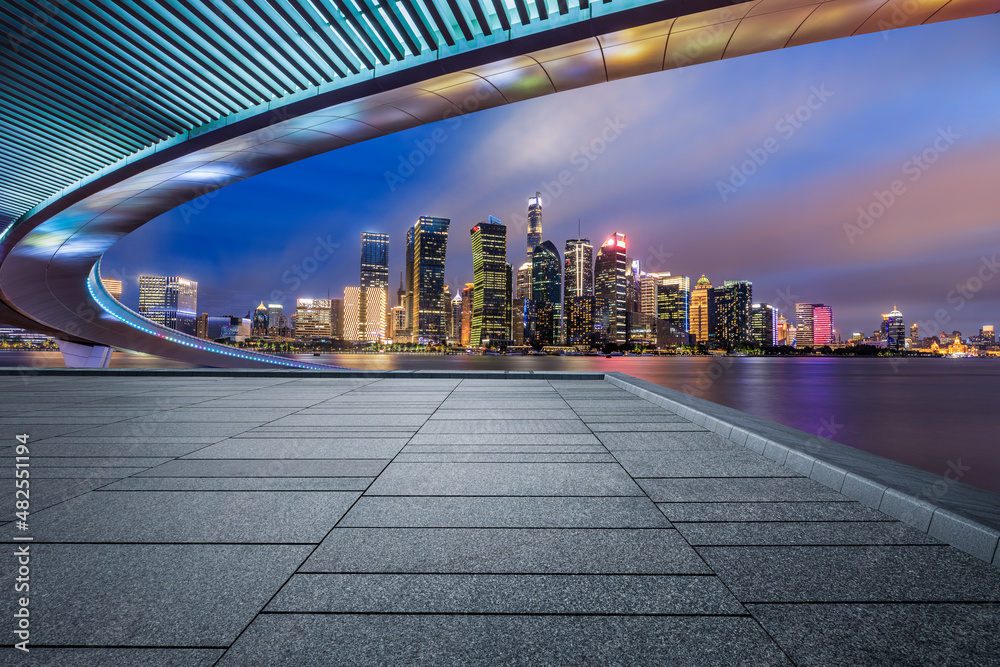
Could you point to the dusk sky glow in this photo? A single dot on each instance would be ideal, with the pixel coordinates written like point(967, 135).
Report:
point(670, 139)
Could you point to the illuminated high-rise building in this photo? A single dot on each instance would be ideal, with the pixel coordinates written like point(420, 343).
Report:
point(764, 324)
point(915, 334)
point(455, 334)
point(468, 301)
point(822, 324)
point(781, 331)
point(699, 313)
point(275, 317)
point(429, 307)
point(170, 301)
point(312, 319)
point(578, 277)
point(337, 318)
point(647, 292)
point(113, 287)
point(894, 330)
point(546, 288)
point(534, 222)
point(522, 289)
point(397, 320)
point(491, 308)
point(610, 288)
point(579, 320)
point(375, 270)
point(365, 314)
point(803, 324)
point(672, 300)
point(729, 308)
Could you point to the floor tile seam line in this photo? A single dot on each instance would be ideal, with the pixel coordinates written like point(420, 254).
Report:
point(161, 544)
point(143, 647)
point(328, 533)
point(506, 613)
point(722, 581)
point(421, 573)
point(795, 521)
point(824, 545)
point(602, 529)
point(106, 490)
point(981, 603)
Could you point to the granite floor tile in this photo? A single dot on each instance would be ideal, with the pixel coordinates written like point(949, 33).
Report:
point(730, 490)
point(854, 574)
point(527, 457)
point(693, 463)
point(302, 448)
point(119, 595)
point(505, 479)
point(819, 635)
point(269, 468)
point(667, 441)
point(185, 484)
point(526, 439)
point(643, 426)
point(802, 533)
point(237, 517)
point(505, 594)
point(492, 426)
point(511, 413)
point(506, 449)
point(505, 551)
point(298, 640)
point(503, 512)
point(772, 511)
point(124, 657)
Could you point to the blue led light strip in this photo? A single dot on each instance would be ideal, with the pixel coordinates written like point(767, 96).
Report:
point(100, 294)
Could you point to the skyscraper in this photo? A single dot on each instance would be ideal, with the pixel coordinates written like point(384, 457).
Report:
point(647, 292)
point(365, 314)
point(699, 311)
point(893, 330)
point(579, 320)
point(260, 320)
point(490, 313)
point(275, 317)
point(763, 324)
point(113, 287)
point(523, 288)
point(781, 333)
point(546, 288)
point(468, 301)
point(822, 324)
point(730, 312)
point(610, 289)
point(534, 222)
point(672, 300)
point(803, 324)
point(579, 274)
point(374, 273)
point(170, 302)
point(430, 241)
point(455, 335)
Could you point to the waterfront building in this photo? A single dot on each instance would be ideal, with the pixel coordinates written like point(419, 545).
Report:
point(671, 299)
point(610, 288)
point(803, 325)
point(822, 324)
point(492, 305)
point(170, 301)
point(468, 301)
point(579, 273)
point(641, 328)
point(781, 332)
point(534, 223)
point(337, 318)
point(113, 287)
point(365, 314)
point(312, 319)
point(397, 321)
point(580, 320)
point(763, 324)
point(522, 289)
point(729, 312)
point(914, 335)
point(429, 303)
point(260, 320)
point(375, 273)
point(455, 333)
point(519, 320)
point(894, 330)
point(699, 311)
point(275, 318)
point(647, 292)
point(546, 288)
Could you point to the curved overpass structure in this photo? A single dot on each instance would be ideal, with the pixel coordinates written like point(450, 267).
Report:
point(218, 92)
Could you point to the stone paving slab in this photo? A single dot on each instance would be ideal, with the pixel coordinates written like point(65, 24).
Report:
point(289, 518)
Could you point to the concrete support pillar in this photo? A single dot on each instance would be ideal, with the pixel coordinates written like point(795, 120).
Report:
point(81, 355)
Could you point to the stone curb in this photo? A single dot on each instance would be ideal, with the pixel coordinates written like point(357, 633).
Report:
point(946, 525)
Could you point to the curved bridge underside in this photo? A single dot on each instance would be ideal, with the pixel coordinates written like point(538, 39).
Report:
point(458, 63)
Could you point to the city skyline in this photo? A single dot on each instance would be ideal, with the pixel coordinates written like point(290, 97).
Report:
point(892, 97)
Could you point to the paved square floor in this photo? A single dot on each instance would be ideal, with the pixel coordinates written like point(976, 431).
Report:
point(283, 521)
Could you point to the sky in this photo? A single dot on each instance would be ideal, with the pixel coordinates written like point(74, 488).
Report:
point(862, 173)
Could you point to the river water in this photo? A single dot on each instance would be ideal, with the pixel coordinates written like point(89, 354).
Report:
point(934, 414)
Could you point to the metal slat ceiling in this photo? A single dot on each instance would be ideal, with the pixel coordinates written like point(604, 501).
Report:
point(90, 82)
